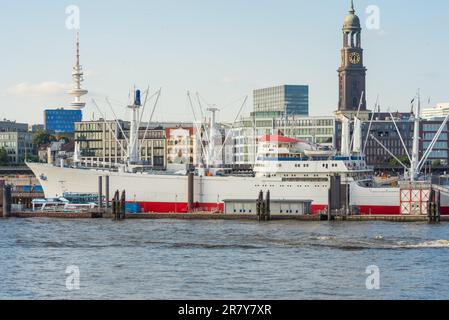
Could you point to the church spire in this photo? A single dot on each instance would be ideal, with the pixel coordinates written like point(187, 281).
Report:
point(351, 9)
point(352, 73)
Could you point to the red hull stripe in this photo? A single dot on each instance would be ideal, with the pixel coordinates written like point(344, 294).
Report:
point(172, 207)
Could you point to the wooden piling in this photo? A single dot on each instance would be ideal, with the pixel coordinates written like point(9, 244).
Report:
point(7, 200)
point(123, 206)
point(268, 207)
point(190, 191)
point(259, 206)
point(107, 204)
point(116, 205)
point(100, 193)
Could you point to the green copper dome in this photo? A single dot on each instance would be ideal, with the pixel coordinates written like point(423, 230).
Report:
point(352, 20)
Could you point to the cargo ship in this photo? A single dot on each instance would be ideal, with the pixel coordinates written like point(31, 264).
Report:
point(292, 170)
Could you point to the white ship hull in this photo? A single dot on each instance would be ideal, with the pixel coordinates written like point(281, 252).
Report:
point(168, 193)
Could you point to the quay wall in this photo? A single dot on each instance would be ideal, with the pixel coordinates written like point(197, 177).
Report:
point(218, 216)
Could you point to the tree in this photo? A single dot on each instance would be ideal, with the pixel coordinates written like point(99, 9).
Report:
point(437, 163)
point(3, 156)
point(42, 137)
point(403, 159)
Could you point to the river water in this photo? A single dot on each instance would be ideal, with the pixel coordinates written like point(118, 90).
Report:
point(168, 259)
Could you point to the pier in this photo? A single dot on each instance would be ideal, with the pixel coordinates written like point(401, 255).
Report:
point(221, 216)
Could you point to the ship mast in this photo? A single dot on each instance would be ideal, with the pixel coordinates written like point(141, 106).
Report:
point(133, 146)
point(211, 154)
point(415, 151)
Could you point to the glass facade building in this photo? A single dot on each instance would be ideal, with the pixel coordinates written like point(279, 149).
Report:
point(101, 141)
point(274, 101)
point(246, 132)
point(62, 120)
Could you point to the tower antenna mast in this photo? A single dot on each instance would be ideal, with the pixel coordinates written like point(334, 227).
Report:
point(78, 77)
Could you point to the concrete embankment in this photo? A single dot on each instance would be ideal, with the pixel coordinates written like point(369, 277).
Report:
point(217, 216)
point(153, 216)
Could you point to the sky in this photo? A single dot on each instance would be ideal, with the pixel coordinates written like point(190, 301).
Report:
point(221, 49)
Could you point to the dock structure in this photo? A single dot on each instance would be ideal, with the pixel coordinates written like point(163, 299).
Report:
point(119, 206)
point(7, 201)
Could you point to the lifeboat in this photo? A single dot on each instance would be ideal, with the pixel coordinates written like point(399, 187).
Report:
point(320, 153)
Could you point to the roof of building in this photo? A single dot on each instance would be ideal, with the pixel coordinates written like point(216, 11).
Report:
point(68, 147)
point(278, 138)
point(352, 20)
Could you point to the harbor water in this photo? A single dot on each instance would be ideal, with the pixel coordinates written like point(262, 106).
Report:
point(175, 259)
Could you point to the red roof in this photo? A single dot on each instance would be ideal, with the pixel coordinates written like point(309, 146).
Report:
point(278, 138)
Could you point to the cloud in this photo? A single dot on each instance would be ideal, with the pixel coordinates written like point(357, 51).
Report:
point(46, 88)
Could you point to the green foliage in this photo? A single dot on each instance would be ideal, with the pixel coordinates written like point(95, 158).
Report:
point(42, 137)
point(436, 163)
point(3, 157)
point(403, 159)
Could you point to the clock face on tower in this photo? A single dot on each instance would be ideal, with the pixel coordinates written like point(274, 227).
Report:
point(354, 57)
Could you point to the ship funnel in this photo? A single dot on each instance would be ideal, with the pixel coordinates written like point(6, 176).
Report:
point(137, 100)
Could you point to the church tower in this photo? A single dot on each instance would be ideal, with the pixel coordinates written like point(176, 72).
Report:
point(352, 72)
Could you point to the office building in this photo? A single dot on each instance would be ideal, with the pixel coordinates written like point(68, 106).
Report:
point(36, 127)
point(182, 145)
point(292, 100)
point(12, 126)
point(18, 145)
point(246, 132)
point(384, 130)
point(104, 141)
point(16, 140)
point(439, 112)
point(62, 120)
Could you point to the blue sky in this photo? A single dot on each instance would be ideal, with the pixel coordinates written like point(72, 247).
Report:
point(221, 49)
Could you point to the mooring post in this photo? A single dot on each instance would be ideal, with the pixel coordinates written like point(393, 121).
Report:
point(107, 193)
point(123, 205)
point(115, 205)
point(438, 207)
point(268, 207)
point(259, 205)
point(2, 185)
point(7, 199)
point(190, 192)
point(100, 193)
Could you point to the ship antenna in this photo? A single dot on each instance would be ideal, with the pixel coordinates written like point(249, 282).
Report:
point(415, 150)
point(371, 123)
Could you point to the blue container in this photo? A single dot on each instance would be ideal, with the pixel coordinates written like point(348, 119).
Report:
point(132, 208)
point(31, 188)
